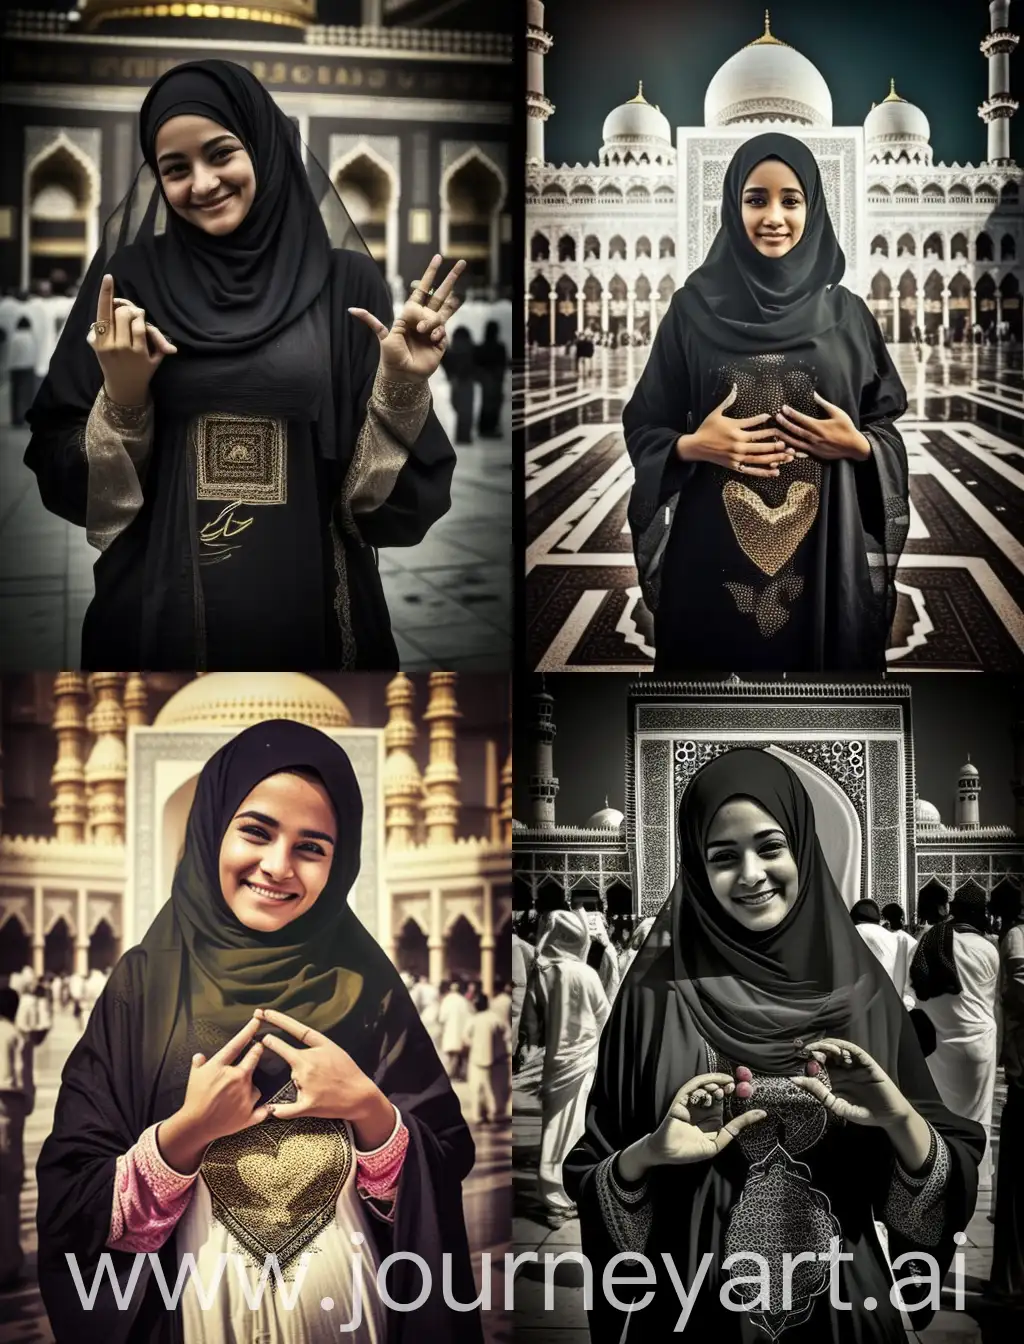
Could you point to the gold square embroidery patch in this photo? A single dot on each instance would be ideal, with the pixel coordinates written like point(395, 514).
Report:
point(241, 458)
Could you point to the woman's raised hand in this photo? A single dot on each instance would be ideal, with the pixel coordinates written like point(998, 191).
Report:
point(129, 349)
point(830, 439)
point(413, 348)
point(861, 1092)
point(678, 1140)
point(743, 445)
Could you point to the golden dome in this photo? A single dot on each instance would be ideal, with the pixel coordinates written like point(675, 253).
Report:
point(238, 699)
point(767, 38)
point(892, 96)
point(284, 13)
point(639, 95)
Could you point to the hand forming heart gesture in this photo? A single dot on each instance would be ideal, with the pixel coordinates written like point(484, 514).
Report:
point(413, 348)
point(830, 439)
point(862, 1092)
point(329, 1082)
point(679, 1140)
point(129, 349)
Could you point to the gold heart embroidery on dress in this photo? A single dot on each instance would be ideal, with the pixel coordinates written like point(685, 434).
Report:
point(274, 1186)
point(767, 535)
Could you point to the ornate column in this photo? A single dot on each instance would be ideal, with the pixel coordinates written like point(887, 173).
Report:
point(435, 939)
point(945, 305)
point(441, 780)
point(630, 314)
point(604, 311)
point(487, 943)
point(580, 319)
point(70, 697)
point(82, 932)
point(999, 320)
point(38, 930)
point(920, 308)
point(136, 701)
point(552, 316)
point(403, 783)
point(106, 767)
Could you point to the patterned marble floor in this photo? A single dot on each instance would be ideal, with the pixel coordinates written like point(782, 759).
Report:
point(487, 1199)
point(961, 579)
point(450, 597)
point(564, 1320)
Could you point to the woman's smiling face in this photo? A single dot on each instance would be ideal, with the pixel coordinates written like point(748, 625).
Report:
point(276, 854)
point(208, 177)
point(750, 866)
point(774, 208)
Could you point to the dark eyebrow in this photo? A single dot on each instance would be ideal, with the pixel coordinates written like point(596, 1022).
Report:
point(270, 821)
point(758, 835)
point(792, 191)
point(173, 155)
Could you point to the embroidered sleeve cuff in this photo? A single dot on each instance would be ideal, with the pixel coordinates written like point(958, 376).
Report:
point(149, 1197)
point(627, 1211)
point(132, 419)
point(384, 1148)
point(161, 1178)
point(403, 407)
point(915, 1206)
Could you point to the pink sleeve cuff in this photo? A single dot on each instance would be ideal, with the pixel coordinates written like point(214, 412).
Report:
point(378, 1171)
point(149, 1197)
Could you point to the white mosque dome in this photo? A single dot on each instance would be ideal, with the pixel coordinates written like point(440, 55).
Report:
point(926, 814)
point(968, 769)
point(238, 699)
point(897, 131)
point(636, 121)
point(608, 818)
point(768, 80)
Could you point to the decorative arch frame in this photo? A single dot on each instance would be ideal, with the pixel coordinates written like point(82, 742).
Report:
point(475, 152)
point(60, 140)
point(363, 150)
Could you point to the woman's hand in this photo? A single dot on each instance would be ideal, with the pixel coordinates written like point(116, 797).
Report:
point(678, 1140)
point(220, 1099)
point(863, 1093)
point(736, 444)
point(412, 350)
point(829, 439)
point(129, 349)
point(329, 1082)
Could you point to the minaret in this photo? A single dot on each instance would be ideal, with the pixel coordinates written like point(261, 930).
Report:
point(538, 108)
point(441, 777)
point(403, 783)
point(543, 783)
point(968, 790)
point(998, 107)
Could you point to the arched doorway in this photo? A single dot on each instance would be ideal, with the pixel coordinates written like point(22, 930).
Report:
point(958, 247)
point(617, 249)
point(592, 292)
point(103, 947)
point(551, 895)
point(63, 200)
point(618, 306)
point(566, 248)
point(983, 248)
point(933, 246)
point(462, 951)
point(367, 186)
point(908, 306)
point(15, 946)
point(619, 898)
point(473, 193)
point(591, 248)
point(540, 248)
point(411, 951)
point(880, 246)
point(1010, 290)
point(959, 305)
point(881, 303)
point(59, 950)
point(642, 308)
point(538, 327)
point(985, 302)
point(929, 898)
point(932, 305)
point(1005, 902)
point(566, 312)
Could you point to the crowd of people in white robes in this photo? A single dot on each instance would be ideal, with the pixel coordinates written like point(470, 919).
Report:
point(30, 324)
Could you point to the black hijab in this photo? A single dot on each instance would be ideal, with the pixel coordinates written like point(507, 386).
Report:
point(752, 996)
point(230, 293)
point(191, 985)
point(742, 298)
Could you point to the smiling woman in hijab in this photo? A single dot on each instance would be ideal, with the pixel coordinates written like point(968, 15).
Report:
point(771, 500)
point(185, 1127)
point(760, 1089)
point(232, 411)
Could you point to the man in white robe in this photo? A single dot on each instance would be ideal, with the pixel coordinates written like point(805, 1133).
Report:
point(454, 1017)
point(565, 1011)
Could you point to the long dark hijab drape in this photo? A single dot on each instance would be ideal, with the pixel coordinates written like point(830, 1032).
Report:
point(261, 321)
point(701, 983)
point(780, 328)
point(191, 984)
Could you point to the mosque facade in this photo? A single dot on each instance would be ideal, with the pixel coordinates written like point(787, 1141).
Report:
point(851, 746)
point(411, 123)
point(80, 885)
point(929, 245)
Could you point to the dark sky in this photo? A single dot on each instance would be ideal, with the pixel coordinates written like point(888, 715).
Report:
point(952, 716)
point(601, 50)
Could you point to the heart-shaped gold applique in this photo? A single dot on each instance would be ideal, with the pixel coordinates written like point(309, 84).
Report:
point(276, 1185)
point(767, 535)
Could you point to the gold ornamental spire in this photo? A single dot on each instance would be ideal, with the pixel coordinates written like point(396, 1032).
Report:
point(767, 38)
point(639, 93)
point(892, 96)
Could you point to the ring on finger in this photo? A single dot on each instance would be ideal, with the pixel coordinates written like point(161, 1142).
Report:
point(100, 328)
